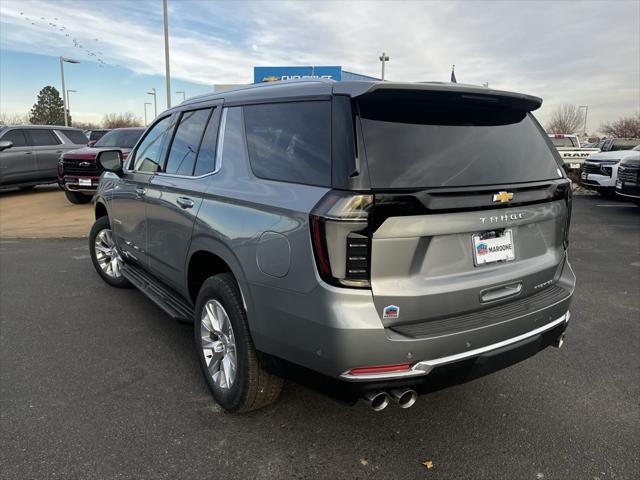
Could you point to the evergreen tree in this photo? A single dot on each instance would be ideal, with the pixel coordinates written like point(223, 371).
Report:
point(48, 109)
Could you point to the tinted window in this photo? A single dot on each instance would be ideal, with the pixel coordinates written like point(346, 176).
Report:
point(97, 134)
point(415, 144)
point(15, 136)
point(184, 147)
point(624, 144)
point(290, 141)
point(39, 137)
point(231, 147)
point(207, 152)
point(120, 138)
point(75, 136)
point(560, 142)
point(147, 156)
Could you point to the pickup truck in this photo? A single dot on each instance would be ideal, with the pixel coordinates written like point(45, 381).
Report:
point(572, 153)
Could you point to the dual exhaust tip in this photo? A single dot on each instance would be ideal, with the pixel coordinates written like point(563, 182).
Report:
point(378, 399)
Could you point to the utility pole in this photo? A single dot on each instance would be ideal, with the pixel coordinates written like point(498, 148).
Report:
point(69, 100)
point(383, 58)
point(64, 92)
point(166, 52)
point(586, 110)
point(145, 113)
point(155, 103)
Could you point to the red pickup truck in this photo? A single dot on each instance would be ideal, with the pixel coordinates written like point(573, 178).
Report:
point(78, 172)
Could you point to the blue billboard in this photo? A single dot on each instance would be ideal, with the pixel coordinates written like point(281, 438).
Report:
point(271, 74)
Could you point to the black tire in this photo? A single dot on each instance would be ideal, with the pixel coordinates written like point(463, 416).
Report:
point(27, 188)
point(103, 224)
point(77, 197)
point(253, 386)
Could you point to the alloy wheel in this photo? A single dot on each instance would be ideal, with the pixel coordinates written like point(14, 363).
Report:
point(107, 254)
point(218, 344)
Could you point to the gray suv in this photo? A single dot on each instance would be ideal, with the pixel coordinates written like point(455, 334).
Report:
point(375, 240)
point(29, 154)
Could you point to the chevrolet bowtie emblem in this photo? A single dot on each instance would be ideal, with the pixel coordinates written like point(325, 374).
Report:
point(502, 197)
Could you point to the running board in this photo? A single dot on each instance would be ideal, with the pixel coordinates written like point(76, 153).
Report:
point(166, 299)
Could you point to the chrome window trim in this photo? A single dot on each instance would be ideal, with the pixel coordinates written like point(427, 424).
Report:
point(217, 164)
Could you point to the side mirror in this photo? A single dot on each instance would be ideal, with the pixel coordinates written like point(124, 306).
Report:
point(110, 161)
point(91, 143)
point(4, 144)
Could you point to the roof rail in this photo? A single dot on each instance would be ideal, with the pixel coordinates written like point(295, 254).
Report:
point(252, 86)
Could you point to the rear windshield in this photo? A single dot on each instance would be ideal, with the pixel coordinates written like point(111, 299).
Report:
point(75, 136)
point(560, 142)
point(97, 134)
point(120, 138)
point(414, 144)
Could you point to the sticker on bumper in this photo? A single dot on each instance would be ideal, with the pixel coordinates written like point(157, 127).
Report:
point(391, 311)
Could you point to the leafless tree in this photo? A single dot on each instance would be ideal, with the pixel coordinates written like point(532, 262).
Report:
point(566, 118)
point(119, 120)
point(624, 127)
point(13, 119)
point(85, 125)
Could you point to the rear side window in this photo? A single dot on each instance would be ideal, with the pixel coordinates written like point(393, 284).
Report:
point(184, 147)
point(75, 136)
point(40, 137)
point(290, 142)
point(418, 144)
point(16, 136)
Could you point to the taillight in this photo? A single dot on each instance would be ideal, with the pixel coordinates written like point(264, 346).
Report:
point(563, 192)
point(341, 239)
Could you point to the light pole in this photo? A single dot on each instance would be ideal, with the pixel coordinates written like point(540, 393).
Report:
point(184, 95)
point(69, 100)
point(586, 110)
point(155, 104)
point(166, 51)
point(383, 58)
point(64, 92)
point(145, 113)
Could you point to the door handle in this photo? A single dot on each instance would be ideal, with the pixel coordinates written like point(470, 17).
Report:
point(141, 192)
point(28, 153)
point(185, 202)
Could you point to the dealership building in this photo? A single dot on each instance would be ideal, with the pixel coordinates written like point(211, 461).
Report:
point(272, 74)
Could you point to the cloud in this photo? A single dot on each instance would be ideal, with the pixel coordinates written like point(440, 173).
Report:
point(557, 50)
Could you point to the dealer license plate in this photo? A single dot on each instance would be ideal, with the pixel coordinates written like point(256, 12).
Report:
point(84, 182)
point(584, 175)
point(574, 165)
point(493, 246)
point(619, 184)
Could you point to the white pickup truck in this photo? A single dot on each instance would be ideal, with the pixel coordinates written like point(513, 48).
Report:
point(572, 153)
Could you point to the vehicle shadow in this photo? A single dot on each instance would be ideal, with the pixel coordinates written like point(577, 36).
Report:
point(18, 192)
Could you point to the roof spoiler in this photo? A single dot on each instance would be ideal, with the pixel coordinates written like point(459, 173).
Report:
point(443, 91)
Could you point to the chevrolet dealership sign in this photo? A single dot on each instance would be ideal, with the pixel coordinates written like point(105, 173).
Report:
point(271, 74)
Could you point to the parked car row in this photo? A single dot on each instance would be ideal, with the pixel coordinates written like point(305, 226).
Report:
point(599, 168)
point(33, 155)
point(29, 154)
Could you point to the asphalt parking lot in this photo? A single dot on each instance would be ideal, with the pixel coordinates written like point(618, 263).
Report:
point(97, 382)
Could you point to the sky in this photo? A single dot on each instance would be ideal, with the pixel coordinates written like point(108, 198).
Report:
point(582, 53)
